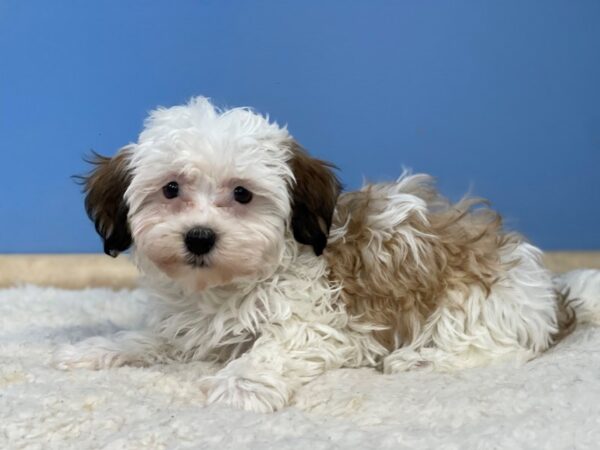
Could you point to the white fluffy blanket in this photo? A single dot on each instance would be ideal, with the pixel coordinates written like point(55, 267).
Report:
point(552, 402)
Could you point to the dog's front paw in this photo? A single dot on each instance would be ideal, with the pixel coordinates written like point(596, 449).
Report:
point(403, 360)
point(261, 396)
point(95, 353)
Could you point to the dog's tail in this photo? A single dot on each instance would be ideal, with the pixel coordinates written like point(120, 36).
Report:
point(581, 291)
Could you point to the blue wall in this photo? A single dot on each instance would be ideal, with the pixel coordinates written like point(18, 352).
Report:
point(501, 97)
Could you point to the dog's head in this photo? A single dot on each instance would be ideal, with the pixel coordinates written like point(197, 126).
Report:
point(207, 195)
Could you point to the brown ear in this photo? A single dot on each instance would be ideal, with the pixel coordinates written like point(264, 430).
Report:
point(105, 205)
point(314, 195)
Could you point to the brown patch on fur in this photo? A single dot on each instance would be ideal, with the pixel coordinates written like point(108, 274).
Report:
point(565, 316)
point(105, 188)
point(388, 282)
point(314, 195)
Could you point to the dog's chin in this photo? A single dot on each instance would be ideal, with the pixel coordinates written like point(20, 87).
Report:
point(200, 273)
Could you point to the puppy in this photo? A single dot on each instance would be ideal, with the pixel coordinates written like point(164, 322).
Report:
point(255, 262)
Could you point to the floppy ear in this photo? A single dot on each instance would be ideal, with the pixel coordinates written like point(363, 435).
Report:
point(105, 205)
point(314, 195)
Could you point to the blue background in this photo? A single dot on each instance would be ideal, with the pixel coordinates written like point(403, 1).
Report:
point(500, 97)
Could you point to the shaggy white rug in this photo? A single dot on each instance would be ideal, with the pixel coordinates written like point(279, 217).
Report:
point(552, 402)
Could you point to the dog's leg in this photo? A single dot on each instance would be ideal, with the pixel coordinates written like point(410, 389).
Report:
point(455, 339)
point(265, 378)
point(134, 348)
point(435, 359)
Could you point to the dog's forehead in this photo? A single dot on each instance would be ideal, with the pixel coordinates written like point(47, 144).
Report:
point(197, 135)
point(220, 158)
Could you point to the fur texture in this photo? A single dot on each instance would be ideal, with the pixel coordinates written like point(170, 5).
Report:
point(407, 281)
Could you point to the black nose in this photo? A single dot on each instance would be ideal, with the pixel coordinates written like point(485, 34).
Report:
point(200, 240)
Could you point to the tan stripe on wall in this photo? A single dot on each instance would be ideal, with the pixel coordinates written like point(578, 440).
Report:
point(68, 271)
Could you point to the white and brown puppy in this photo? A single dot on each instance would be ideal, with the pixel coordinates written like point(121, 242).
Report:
point(229, 219)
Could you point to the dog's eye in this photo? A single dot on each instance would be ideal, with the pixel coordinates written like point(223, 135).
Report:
point(242, 195)
point(171, 189)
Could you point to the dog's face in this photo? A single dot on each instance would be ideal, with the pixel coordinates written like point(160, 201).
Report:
point(207, 196)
